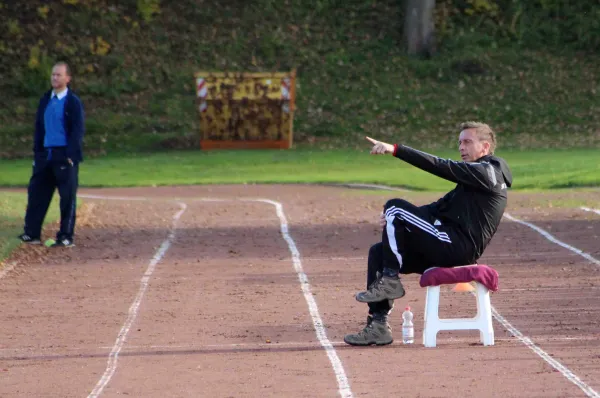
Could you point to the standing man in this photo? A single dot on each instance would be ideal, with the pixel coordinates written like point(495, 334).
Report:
point(451, 232)
point(57, 152)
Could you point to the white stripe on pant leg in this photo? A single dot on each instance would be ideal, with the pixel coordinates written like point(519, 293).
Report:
point(421, 224)
point(443, 236)
point(419, 221)
point(392, 237)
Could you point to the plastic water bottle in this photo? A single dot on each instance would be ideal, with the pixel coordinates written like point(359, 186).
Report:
point(408, 330)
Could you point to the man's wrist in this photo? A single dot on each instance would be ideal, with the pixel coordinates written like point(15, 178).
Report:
point(395, 150)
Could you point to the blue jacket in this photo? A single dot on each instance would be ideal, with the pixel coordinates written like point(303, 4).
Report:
point(74, 126)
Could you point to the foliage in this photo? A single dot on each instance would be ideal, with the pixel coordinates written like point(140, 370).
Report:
point(148, 9)
point(528, 22)
point(133, 64)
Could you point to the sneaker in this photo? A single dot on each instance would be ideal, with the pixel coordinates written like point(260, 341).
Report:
point(378, 333)
point(385, 288)
point(29, 240)
point(64, 242)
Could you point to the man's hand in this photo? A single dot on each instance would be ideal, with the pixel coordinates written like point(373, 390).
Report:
point(70, 161)
point(380, 148)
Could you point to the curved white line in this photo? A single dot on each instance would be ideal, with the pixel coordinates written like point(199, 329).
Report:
point(526, 340)
point(343, 383)
point(133, 309)
point(591, 210)
point(89, 196)
point(552, 239)
point(545, 356)
point(320, 330)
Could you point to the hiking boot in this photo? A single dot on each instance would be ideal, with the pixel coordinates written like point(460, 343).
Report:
point(372, 285)
point(376, 332)
point(378, 276)
point(64, 242)
point(385, 288)
point(29, 239)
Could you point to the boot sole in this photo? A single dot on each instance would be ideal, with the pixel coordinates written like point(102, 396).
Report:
point(366, 344)
point(378, 300)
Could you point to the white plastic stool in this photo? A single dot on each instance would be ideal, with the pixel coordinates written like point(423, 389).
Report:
point(482, 321)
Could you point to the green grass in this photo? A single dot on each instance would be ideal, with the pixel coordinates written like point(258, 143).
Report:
point(537, 170)
point(532, 170)
point(12, 212)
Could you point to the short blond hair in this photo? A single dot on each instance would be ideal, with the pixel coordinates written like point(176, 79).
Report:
point(66, 65)
point(484, 133)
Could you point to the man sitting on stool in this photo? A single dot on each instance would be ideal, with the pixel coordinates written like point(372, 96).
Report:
point(450, 232)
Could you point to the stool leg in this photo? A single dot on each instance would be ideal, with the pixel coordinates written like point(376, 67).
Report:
point(430, 327)
point(484, 313)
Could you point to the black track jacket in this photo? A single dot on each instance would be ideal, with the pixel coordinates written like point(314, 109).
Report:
point(477, 203)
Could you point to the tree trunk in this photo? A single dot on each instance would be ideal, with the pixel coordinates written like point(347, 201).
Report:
point(419, 27)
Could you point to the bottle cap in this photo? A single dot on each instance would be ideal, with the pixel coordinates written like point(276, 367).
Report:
point(407, 308)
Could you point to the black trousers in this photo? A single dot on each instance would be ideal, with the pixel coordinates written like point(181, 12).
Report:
point(51, 170)
point(413, 241)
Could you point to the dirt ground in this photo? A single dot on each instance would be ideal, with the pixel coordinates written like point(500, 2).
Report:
point(216, 291)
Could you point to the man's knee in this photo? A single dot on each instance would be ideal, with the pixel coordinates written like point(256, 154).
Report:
point(397, 203)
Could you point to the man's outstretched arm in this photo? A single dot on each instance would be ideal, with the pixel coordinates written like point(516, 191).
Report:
point(479, 175)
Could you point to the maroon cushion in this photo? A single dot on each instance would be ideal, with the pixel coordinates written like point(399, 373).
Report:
point(483, 274)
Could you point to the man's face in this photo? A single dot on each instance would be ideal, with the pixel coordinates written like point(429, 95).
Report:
point(60, 79)
point(470, 147)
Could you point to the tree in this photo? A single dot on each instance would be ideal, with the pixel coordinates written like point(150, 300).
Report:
point(419, 27)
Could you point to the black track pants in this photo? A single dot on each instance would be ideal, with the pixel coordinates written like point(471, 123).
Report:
point(47, 175)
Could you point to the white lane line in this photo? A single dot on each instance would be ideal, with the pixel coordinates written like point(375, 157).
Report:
point(334, 359)
point(552, 239)
point(590, 210)
point(320, 330)
point(336, 363)
point(88, 196)
point(370, 186)
point(133, 309)
point(545, 356)
point(526, 340)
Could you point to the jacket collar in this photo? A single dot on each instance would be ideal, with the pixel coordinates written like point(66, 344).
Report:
point(60, 95)
point(484, 158)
